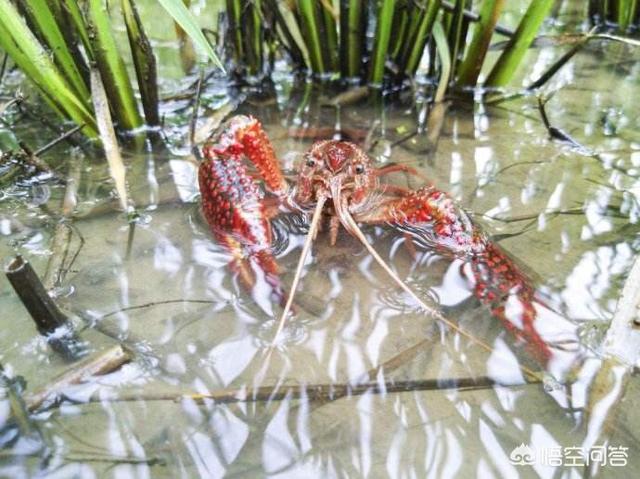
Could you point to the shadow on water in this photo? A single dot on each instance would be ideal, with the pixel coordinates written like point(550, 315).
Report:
point(362, 382)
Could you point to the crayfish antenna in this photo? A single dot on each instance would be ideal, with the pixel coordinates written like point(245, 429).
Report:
point(355, 230)
point(313, 228)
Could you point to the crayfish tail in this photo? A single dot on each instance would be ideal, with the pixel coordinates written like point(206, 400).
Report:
point(501, 285)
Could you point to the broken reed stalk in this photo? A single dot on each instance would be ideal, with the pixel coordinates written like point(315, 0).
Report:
point(34, 296)
point(314, 393)
point(108, 137)
point(50, 321)
point(112, 68)
point(101, 364)
point(144, 62)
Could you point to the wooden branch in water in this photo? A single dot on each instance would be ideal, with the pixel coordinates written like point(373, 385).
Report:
point(34, 296)
point(61, 138)
point(315, 393)
point(621, 352)
point(50, 321)
point(105, 363)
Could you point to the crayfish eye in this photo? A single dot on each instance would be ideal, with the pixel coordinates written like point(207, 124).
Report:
point(359, 169)
point(311, 162)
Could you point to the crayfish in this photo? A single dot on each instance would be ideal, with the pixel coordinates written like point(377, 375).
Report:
point(336, 179)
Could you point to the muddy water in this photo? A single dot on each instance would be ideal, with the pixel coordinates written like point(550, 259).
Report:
point(566, 212)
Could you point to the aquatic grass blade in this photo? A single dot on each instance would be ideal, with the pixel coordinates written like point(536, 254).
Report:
point(309, 25)
point(353, 17)
point(72, 8)
point(329, 34)
point(112, 68)
point(476, 51)
point(624, 14)
point(510, 59)
point(289, 33)
point(384, 18)
point(183, 17)
point(442, 47)
point(418, 43)
point(144, 62)
point(17, 40)
point(45, 24)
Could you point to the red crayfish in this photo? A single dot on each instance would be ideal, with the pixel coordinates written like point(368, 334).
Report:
point(337, 179)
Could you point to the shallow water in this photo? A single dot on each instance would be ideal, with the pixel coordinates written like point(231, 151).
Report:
point(567, 213)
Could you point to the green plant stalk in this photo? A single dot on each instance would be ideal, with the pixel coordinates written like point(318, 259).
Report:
point(624, 14)
point(73, 11)
point(384, 18)
point(399, 28)
point(633, 12)
point(183, 17)
point(512, 55)
point(25, 50)
point(329, 32)
point(144, 62)
point(234, 10)
point(252, 33)
point(307, 11)
point(112, 69)
point(29, 69)
point(352, 36)
point(45, 24)
point(71, 36)
point(422, 35)
point(285, 33)
point(483, 31)
point(442, 47)
point(457, 32)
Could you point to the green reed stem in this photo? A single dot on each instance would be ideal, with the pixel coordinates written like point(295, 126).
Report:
point(510, 59)
point(112, 68)
point(19, 42)
point(384, 19)
point(457, 32)
point(353, 20)
point(72, 10)
point(144, 62)
point(45, 24)
point(329, 33)
point(482, 32)
point(624, 14)
point(311, 33)
point(183, 17)
point(234, 15)
point(286, 34)
point(254, 36)
point(418, 42)
point(400, 28)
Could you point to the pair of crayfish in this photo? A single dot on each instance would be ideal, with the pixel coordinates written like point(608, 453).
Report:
point(336, 179)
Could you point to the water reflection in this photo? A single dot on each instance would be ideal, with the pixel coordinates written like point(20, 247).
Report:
point(353, 327)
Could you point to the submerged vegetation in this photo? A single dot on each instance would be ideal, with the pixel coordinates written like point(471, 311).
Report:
point(57, 43)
